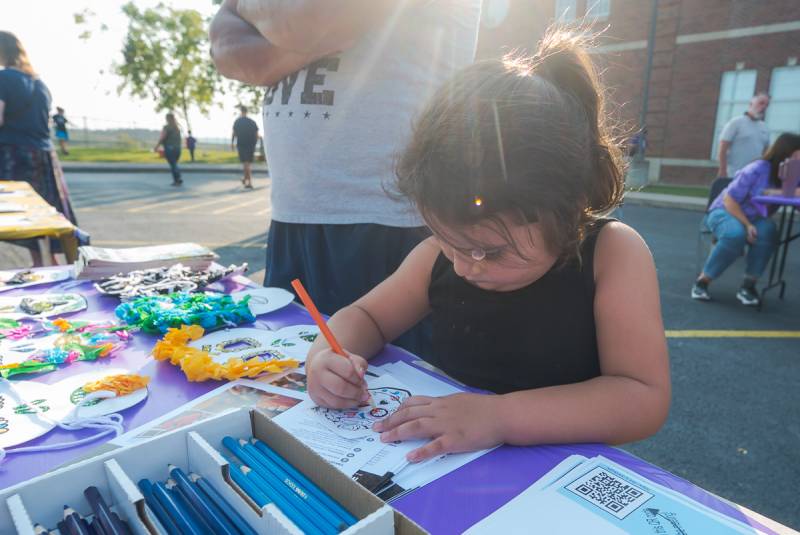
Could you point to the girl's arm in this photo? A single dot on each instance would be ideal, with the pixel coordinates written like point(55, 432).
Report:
point(629, 401)
point(363, 328)
point(735, 209)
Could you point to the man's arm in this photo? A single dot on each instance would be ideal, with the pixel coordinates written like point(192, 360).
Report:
point(723, 157)
point(318, 27)
point(240, 52)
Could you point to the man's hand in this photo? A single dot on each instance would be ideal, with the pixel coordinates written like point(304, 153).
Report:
point(456, 423)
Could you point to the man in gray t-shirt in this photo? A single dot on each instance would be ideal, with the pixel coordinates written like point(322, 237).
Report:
point(744, 138)
point(345, 82)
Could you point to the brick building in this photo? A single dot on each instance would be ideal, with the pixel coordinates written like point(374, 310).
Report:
point(709, 57)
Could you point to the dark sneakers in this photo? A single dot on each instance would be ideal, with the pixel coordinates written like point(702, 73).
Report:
point(700, 291)
point(748, 296)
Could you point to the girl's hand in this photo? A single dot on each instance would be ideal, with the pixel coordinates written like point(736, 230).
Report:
point(752, 234)
point(456, 423)
point(336, 382)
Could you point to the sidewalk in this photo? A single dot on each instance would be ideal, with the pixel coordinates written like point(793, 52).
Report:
point(186, 167)
point(684, 202)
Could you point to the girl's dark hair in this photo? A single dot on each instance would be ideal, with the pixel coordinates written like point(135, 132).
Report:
point(782, 148)
point(520, 136)
point(13, 53)
point(172, 121)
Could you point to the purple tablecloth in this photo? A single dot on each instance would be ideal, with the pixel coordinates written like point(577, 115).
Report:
point(449, 505)
point(782, 201)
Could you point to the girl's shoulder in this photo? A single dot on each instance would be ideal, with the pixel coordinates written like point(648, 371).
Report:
point(618, 245)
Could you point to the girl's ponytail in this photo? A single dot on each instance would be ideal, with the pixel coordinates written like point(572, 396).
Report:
point(562, 59)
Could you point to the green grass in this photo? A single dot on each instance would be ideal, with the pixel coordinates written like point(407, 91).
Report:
point(95, 154)
point(687, 191)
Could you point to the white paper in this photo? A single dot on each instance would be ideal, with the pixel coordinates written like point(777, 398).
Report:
point(32, 278)
point(264, 300)
point(229, 396)
point(29, 409)
point(557, 503)
point(48, 304)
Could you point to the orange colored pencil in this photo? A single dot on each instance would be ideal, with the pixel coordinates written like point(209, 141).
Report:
point(320, 321)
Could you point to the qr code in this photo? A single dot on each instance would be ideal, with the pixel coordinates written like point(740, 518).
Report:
point(609, 492)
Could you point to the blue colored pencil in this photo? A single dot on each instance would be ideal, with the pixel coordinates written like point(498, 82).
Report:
point(109, 524)
point(155, 506)
point(272, 496)
point(248, 486)
point(281, 490)
point(186, 524)
point(223, 504)
point(294, 487)
point(302, 480)
point(183, 501)
point(74, 523)
point(217, 521)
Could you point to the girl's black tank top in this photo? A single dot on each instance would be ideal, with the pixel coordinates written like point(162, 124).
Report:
point(537, 336)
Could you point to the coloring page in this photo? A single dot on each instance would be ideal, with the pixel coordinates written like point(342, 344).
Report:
point(26, 277)
point(41, 305)
point(265, 300)
point(387, 396)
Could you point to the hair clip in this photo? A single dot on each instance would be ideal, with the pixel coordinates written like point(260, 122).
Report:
point(477, 201)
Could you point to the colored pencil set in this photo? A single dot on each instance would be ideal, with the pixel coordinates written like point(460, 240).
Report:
point(266, 477)
point(103, 521)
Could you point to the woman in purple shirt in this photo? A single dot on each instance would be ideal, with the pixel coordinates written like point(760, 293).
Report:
point(736, 221)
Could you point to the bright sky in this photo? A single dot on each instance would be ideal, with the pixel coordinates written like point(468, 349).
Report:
point(78, 72)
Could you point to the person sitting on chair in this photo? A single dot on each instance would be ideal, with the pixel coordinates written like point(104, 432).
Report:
point(735, 221)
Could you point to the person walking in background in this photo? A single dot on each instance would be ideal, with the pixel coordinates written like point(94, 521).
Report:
point(345, 81)
point(736, 221)
point(245, 136)
point(744, 138)
point(26, 152)
point(60, 123)
point(191, 143)
point(171, 141)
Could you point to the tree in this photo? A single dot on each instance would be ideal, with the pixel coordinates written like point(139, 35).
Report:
point(165, 58)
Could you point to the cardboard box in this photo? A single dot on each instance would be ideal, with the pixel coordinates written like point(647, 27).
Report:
point(194, 449)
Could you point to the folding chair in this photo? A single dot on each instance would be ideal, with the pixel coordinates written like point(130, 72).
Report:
point(705, 239)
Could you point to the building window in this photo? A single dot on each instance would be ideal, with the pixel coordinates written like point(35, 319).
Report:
point(494, 13)
point(783, 114)
point(565, 10)
point(598, 9)
point(735, 92)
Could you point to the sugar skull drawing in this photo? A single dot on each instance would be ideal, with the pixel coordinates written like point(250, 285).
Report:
point(386, 399)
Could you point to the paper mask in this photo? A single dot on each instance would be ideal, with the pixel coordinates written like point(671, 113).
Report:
point(40, 305)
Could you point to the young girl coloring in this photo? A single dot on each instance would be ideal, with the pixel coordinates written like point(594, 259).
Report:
point(532, 293)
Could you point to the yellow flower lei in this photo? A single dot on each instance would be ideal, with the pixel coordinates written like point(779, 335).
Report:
point(198, 365)
point(122, 384)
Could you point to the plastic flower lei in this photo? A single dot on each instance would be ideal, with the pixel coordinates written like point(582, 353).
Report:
point(156, 314)
point(79, 340)
point(198, 365)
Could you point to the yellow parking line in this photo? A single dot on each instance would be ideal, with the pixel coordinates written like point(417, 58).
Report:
point(732, 334)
